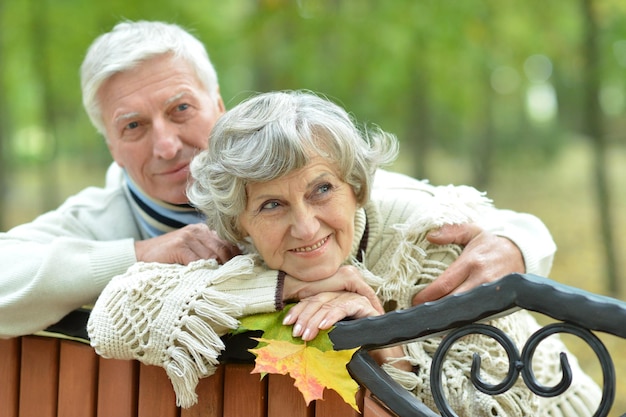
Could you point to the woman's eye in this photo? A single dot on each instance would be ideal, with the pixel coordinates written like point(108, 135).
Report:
point(324, 188)
point(132, 125)
point(269, 205)
point(182, 107)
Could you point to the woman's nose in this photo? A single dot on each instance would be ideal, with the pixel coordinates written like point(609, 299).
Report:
point(304, 224)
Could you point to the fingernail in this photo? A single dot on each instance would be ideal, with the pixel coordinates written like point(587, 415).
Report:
point(297, 330)
point(287, 319)
point(434, 233)
point(322, 325)
point(306, 334)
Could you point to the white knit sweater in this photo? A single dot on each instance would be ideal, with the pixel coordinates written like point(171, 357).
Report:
point(172, 316)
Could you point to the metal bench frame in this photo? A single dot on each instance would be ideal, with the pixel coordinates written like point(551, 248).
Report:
point(580, 313)
point(55, 377)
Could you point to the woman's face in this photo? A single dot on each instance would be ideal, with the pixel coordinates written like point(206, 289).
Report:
point(302, 223)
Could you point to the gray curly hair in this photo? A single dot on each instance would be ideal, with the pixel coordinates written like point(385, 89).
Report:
point(270, 135)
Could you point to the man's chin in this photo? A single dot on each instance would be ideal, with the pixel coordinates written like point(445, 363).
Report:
point(175, 199)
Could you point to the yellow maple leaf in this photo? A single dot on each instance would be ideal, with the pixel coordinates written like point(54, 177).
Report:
point(312, 369)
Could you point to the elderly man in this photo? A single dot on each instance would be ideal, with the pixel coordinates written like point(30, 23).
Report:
point(150, 89)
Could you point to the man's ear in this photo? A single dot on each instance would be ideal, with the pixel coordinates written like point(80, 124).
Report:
point(113, 152)
point(220, 102)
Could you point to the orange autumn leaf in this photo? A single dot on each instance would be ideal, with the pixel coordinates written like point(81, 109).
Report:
point(312, 369)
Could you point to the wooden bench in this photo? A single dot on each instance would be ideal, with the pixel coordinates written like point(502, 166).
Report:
point(52, 377)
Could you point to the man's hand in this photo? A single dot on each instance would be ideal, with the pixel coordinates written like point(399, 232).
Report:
point(185, 245)
point(485, 258)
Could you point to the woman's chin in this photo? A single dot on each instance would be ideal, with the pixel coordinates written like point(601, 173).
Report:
point(312, 275)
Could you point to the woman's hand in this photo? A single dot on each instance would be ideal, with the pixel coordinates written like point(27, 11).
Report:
point(322, 311)
point(347, 278)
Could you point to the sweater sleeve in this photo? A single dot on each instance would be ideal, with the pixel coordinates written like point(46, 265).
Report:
point(173, 315)
point(63, 259)
point(529, 234)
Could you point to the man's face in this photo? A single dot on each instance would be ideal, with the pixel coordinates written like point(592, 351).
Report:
point(157, 116)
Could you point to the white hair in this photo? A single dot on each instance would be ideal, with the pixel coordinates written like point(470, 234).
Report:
point(130, 43)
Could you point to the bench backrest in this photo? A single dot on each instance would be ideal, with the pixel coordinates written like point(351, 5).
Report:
point(48, 377)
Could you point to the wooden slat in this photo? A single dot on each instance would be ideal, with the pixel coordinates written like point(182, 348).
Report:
point(78, 380)
point(333, 405)
point(210, 397)
point(10, 351)
point(283, 398)
point(39, 377)
point(117, 388)
point(156, 395)
point(373, 408)
point(250, 396)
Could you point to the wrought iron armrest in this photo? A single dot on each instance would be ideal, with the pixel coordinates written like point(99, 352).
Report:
point(581, 312)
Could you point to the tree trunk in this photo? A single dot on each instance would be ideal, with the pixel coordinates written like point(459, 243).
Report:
point(41, 63)
point(484, 149)
point(4, 129)
point(593, 129)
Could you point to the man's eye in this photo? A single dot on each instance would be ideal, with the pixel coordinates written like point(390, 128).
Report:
point(182, 107)
point(132, 125)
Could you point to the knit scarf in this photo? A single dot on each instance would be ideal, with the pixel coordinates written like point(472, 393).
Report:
point(157, 217)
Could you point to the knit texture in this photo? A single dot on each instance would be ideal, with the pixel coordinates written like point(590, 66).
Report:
point(402, 262)
point(173, 316)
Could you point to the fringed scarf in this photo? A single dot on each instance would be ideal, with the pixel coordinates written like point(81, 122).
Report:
point(157, 217)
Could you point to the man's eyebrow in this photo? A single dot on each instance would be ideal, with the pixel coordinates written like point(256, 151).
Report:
point(176, 97)
point(132, 115)
point(126, 116)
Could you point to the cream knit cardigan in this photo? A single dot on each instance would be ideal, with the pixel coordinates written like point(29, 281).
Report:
point(173, 316)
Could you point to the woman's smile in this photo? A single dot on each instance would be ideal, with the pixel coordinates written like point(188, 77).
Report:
point(315, 246)
point(302, 223)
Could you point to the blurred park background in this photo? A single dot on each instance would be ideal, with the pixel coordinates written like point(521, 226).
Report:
point(522, 99)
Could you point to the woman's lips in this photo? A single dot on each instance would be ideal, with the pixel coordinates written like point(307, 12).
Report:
point(311, 248)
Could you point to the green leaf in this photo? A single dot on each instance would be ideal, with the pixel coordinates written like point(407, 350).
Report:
point(274, 329)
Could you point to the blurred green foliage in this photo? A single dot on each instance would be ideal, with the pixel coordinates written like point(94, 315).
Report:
point(491, 93)
point(438, 73)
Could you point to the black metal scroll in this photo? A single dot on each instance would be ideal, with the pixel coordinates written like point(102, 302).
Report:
point(581, 312)
point(522, 364)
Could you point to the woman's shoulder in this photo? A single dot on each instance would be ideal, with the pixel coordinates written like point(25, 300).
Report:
point(388, 180)
point(402, 199)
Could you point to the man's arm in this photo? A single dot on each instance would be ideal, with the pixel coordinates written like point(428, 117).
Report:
point(506, 242)
point(511, 242)
point(62, 260)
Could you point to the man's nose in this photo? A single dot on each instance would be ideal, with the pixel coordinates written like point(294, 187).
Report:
point(166, 142)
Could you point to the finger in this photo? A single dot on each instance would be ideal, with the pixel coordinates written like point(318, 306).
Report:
point(366, 291)
point(461, 234)
point(346, 305)
point(305, 310)
point(445, 284)
point(332, 284)
point(224, 252)
point(323, 311)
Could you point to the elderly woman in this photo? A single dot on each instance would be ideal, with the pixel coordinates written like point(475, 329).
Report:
point(288, 176)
